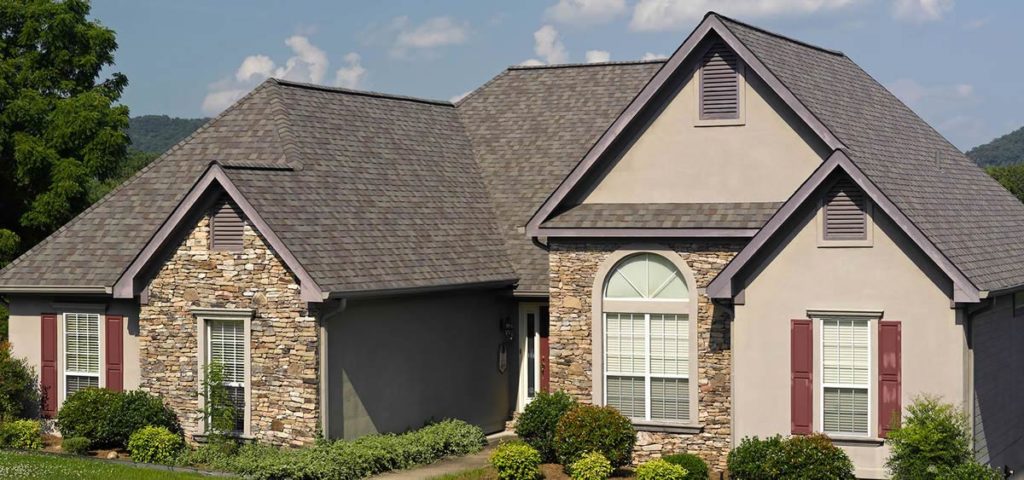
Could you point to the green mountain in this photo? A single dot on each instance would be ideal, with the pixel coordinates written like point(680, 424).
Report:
point(157, 133)
point(1005, 150)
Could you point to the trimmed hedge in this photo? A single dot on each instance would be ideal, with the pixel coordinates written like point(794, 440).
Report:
point(536, 425)
point(516, 461)
point(21, 434)
point(811, 457)
point(593, 466)
point(344, 460)
point(109, 418)
point(155, 445)
point(696, 468)
point(660, 470)
point(589, 428)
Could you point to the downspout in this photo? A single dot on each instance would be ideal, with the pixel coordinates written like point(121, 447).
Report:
point(543, 246)
point(325, 317)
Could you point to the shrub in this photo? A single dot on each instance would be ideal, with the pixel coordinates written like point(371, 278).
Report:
point(516, 461)
point(19, 396)
point(971, 470)
point(812, 457)
point(934, 438)
point(155, 445)
point(141, 409)
point(588, 428)
point(109, 418)
point(756, 459)
point(696, 468)
point(21, 434)
point(217, 405)
point(660, 470)
point(536, 425)
point(75, 445)
point(593, 466)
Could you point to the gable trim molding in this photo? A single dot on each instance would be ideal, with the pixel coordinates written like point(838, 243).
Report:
point(711, 23)
point(649, 232)
point(125, 286)
point(723, 286)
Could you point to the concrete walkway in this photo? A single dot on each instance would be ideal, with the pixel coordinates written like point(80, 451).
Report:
point(449, 465)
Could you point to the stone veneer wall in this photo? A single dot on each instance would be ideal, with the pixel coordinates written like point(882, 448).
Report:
point(283, 344)
point(573, 266)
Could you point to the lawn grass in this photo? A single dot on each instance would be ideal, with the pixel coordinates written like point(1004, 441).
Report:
point(485, 473)
point(42, 466)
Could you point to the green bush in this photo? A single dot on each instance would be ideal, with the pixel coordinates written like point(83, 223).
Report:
point(812, 457)
point(588, 428)
point(75, 445)
point(109, 418)
point(516, 461)
point(593, 466)
point(155, 445)
point(696, 468)
point(19, 395)
point(971, 470)
point(21, 434)
point(933, 439)
point(343, 460)
point(536, 425)
point(660, 470)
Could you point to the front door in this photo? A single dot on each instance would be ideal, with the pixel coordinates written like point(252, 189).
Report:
point(533, 352)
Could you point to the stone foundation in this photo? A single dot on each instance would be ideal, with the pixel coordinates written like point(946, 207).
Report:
point(284, 334)
point(573, 266)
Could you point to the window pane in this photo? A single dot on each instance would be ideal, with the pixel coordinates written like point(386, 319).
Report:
point(619, 287)
point(670, 399)
point(845, 352)
point(646, 276)
point(846, 410)
point(82, 342)
point(227, 346)
point(625, 348)
point(627, 395)
point(80, 382)
point(531, 356)
point(237, 397)
point(664, 279)
point(670, 344)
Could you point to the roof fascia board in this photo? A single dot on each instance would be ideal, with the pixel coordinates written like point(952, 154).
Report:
point(58, 289)
point(648, 232)
point(125, 286)
point(676, 61)
point(391, 292)
point(723, 285)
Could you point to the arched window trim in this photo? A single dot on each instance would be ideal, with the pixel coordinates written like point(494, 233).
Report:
point(600, 305)
point(613, 271)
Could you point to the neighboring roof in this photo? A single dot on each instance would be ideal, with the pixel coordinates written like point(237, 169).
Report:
point(529, 126)
point(665, 215)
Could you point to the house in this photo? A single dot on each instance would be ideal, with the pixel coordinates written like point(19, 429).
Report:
point(752, 237)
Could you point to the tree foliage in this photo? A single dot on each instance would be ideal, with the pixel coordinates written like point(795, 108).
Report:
point(1005, 150)
point(61, 129)
point(157, 133)
point(1011, 177)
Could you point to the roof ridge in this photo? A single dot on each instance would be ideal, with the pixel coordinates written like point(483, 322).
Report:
point(363, 93)
point(283, 131)
point(480, 88)
point(777, 35)
point(586, 64)
point(132, 179)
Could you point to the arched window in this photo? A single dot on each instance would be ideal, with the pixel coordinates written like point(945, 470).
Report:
point(647, 339)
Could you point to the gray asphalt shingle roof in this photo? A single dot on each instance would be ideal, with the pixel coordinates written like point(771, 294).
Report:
point(665, 215)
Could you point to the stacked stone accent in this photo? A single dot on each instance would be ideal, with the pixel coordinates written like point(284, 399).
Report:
point(284, 334)
point(573, 267)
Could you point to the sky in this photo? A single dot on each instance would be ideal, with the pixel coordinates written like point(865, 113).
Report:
point(955, 62)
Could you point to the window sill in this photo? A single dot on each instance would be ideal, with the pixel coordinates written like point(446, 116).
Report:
point(857, 441)
point(667, 427)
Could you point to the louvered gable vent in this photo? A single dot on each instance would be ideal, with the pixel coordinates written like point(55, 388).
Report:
point(719, 84)
point(845, 212)
point(226, 228)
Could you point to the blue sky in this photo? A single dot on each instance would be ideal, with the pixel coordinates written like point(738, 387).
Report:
point(956, 62)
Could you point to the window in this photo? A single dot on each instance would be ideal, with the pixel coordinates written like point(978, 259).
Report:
point(226, 345)
point(719, 84)
point(81, 352)
point(647, 340)
point(226, 228)
point(846, 373)
point(845, 212)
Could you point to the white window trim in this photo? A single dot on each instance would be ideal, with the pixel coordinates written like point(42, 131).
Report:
point(525, 309)
point(204, 315)
point(63, 354)
point(872, 318)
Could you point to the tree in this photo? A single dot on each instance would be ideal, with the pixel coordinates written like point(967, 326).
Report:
point(1011, 177)
point(61, 129)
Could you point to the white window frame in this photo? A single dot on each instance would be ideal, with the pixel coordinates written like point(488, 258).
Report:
point(647, 376)
point(820, 369)
point(204, 316)
point(65, 372)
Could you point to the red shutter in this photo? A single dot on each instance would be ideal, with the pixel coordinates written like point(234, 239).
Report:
point(115, 352)
point(801, 377)
point(545, 351)
point(48, 364)
point(890, 364)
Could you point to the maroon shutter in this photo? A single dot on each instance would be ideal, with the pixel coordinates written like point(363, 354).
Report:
point(545, 351)
point(48, 364)
point(115, 352)
point(801, 377)
point(890, 363)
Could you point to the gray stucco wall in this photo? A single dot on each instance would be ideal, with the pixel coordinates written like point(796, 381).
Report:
point(397, 363)
point(997, 341)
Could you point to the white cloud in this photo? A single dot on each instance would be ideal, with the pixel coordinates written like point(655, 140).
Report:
point(921, 11)
point(912, 92)
point(976, 23)
point(548, 46)
point(654, 15)
point(309, 64)
point(532, 62)
point(260, 66)
point(653, 56)
point(352, 74)
point(435, 32)
point(584, 12)
point(220, 98)
point(460, 96)
point(597, 56)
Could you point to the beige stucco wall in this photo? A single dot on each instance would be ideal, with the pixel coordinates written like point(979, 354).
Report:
point(892, 276)
point(675, 160)
point(26, 341)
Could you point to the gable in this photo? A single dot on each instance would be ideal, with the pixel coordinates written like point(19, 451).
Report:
point(679, 155)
